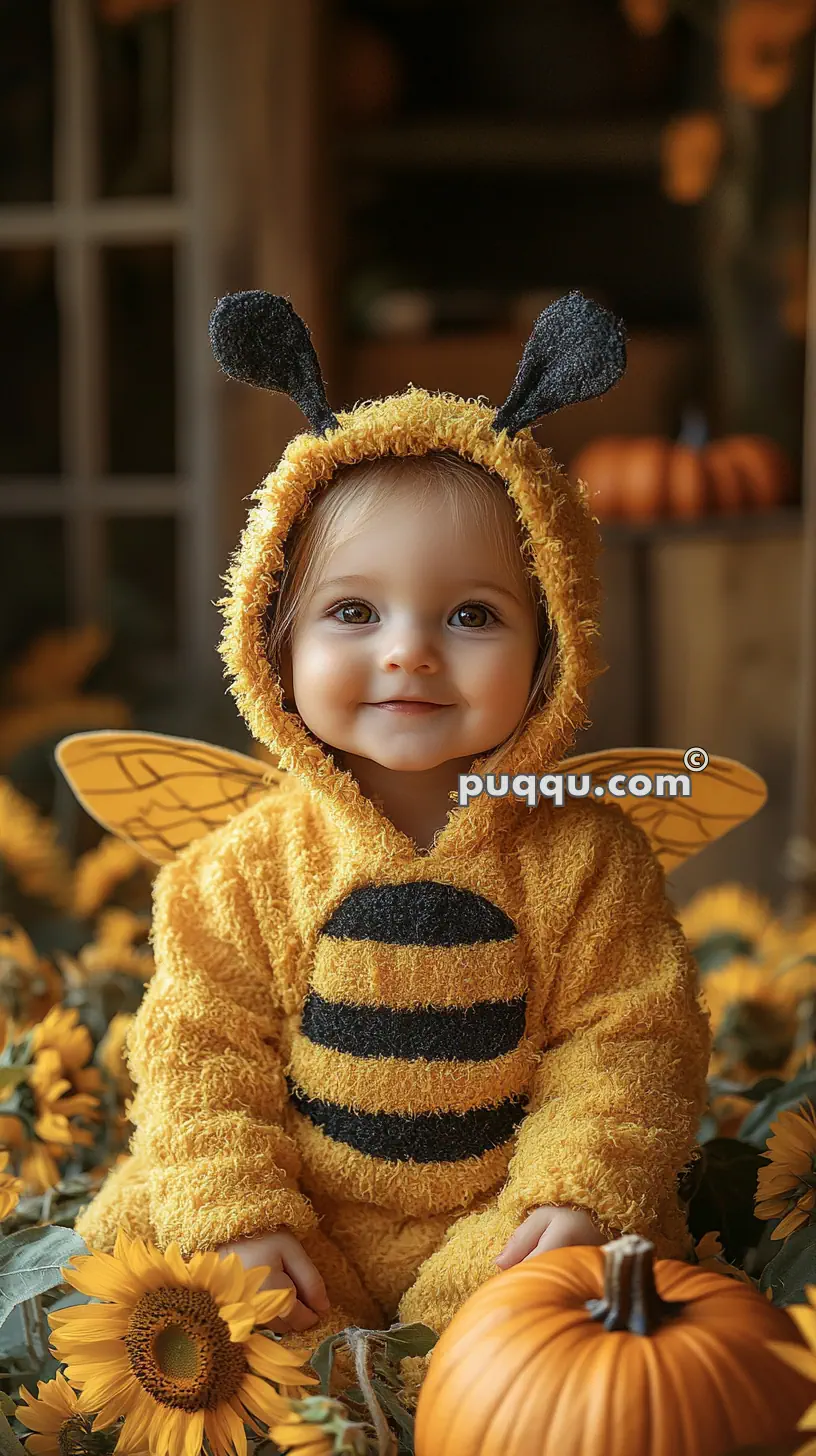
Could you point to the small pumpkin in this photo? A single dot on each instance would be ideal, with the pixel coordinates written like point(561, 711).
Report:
point(646, 478)
point(584, 1350)
point(758, 37)
point(646, 17)
point(690, 151)
point(638, 478)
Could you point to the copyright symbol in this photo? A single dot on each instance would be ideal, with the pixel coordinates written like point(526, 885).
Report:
point(695, 759)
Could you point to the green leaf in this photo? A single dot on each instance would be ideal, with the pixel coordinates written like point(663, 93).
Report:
point(31, 1261)
point(386, 1396)
point(7, 1405)
point(323, 1359)
point(756, 1128)
point(12, 1076)
point(717, 949)
point(18, 1053)
point(404, 1340)
point(793, 1268)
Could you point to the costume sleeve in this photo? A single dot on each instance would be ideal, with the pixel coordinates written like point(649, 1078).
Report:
point(204, 1051)
point(620, 1083)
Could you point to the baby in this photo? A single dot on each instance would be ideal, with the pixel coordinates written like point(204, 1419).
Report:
point(408, 583)
point(394, 1044)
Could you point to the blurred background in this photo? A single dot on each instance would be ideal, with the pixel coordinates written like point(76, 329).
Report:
point(421, 177)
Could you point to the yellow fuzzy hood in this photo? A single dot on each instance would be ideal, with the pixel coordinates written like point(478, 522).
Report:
point(563, 548)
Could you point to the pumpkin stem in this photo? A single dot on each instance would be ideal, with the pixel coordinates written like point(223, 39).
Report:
point(630, 1299)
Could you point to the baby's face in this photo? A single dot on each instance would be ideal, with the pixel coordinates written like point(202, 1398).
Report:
point(412, 608)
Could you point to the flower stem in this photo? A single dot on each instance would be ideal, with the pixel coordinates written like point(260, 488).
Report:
point(35, 1355)
point(358, 1342)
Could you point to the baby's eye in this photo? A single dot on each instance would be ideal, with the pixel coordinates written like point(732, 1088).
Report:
point(471, 608)
point(351, 607)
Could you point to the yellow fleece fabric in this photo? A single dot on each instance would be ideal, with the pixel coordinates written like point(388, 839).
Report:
point(398, 1053)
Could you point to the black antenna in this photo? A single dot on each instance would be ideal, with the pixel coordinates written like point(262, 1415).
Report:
point(577, 350)
point(258, 338)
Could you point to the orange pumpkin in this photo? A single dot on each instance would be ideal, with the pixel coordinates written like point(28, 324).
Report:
point(747, 471)
point(690, 152)
point(650, 477)
point(584, 1350)
point(646, 17)
point(758, 36)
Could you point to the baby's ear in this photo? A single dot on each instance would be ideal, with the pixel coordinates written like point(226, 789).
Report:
point(258, 338)
point(577, 350)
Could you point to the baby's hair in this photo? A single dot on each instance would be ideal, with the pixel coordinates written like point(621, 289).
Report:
point(336, 512)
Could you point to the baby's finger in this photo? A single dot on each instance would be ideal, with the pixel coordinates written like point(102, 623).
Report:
point(298, 1318)
point(518, 1246)
point(556, 1238)
point(307, 1278)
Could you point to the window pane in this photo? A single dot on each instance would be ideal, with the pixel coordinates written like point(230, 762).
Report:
point(134, 61)
point(33, 596)
point(139, 336)
point(29, 366)
point(142, 567)
point(26, 101)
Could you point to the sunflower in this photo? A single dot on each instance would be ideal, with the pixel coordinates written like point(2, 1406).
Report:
point(29, 983)
point(804, 1316)
point(29, 846)
point(50, 1103)
point(53, 1413)
point(122, 945)
point(10, 1188)
point(175, 1349)
point(100, 871)
point(787, 1185)
point(754, 1025)
point(61, 1032)
point(725, 921)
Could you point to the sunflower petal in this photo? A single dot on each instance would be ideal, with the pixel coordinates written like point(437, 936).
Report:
point(275, 1362)
point(42, 1445)
point(175, 1263)
point(273, 1302)
point(194, 1435)
point(801, 1360)
point(235, 1429)
point(804, 1317)
point(211, 1275)
point(795, 1219)
point(240, 1329)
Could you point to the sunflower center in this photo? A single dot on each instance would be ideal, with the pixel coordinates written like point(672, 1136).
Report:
point(180, 1350)
point(177, 1355)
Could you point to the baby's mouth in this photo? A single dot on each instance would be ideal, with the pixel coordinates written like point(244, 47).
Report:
point(403, 706)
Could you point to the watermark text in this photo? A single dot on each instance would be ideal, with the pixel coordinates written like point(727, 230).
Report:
point(558, 787)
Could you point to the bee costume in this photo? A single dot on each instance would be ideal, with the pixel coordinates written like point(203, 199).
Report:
point(394, 1053)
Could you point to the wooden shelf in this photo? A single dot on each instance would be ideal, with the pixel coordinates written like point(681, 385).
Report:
point(614, 146)
point(786, 520)
point(648, 400)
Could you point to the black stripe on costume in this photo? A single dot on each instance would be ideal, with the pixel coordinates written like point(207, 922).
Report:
point(434, 1034)
point(424, 1137)
point(421, 912)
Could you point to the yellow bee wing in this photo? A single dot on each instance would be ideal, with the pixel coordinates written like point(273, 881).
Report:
point(723, 794)
point(160, 793)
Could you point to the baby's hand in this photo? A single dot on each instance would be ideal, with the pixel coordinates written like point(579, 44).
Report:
point(291, 1268)
point(548, 1227)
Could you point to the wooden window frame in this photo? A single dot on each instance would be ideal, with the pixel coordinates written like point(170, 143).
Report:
point(78, 224)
